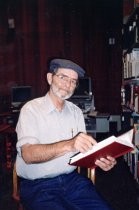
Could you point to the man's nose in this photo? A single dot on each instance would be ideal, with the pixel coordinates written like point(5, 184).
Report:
point(68, 83)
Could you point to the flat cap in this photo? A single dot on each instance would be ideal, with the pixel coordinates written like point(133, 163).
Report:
point(67, 64)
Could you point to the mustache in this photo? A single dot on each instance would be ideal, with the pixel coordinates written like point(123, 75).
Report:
point(57, 91)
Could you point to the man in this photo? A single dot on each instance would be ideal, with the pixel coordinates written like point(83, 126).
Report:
point(50, 130)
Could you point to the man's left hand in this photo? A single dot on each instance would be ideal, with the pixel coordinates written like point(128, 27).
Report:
point(107, 163)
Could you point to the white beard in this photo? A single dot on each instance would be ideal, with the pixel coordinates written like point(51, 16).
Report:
point(57, 92)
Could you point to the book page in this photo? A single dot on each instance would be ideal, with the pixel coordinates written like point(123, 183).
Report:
point(126, 138)
point(96, 147)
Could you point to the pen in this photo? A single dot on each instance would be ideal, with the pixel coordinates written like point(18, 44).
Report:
point(72, 132)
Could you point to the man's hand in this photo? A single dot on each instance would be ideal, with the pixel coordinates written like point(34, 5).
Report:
point(106, 163)
point(83, 142)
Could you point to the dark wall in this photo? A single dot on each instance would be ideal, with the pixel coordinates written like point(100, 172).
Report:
point(78, 30)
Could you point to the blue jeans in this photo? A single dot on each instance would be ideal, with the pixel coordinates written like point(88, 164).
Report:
point(65, 192)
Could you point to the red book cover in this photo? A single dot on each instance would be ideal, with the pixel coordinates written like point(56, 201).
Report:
point(112, 146)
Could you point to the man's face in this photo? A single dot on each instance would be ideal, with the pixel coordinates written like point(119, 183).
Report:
point(63, 83)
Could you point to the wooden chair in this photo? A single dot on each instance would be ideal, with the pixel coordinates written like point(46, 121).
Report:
point(15, 193)
point(90, 174)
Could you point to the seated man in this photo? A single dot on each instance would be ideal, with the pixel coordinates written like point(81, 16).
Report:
point(50, 130)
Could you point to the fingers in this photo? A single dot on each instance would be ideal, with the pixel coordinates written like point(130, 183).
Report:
point(84, 142)
point(106, 163)
point(88, 138)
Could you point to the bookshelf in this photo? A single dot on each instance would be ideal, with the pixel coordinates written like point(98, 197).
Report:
point(132, 160)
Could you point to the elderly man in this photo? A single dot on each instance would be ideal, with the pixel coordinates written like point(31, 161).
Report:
point(50, 130)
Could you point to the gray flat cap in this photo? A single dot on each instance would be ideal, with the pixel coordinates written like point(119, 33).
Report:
point(63, 63)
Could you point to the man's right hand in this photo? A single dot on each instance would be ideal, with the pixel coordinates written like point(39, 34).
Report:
point(83, 142)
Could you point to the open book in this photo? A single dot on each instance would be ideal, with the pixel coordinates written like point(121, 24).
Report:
point(112, 146)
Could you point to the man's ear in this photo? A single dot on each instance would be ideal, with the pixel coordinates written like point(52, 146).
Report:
point(49, 78)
